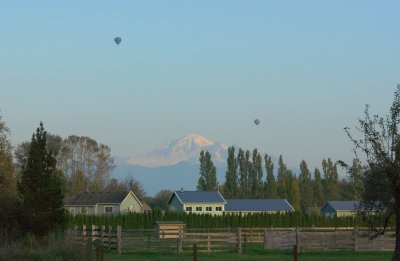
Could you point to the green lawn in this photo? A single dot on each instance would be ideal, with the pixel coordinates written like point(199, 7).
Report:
point(255, 253)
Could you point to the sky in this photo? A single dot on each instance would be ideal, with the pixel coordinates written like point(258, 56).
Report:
point(306, 69)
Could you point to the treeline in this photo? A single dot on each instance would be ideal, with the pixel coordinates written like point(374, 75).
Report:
point(147, 220)
point(251, 175)
point(86, 164)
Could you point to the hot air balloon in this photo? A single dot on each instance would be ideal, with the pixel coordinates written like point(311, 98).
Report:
point(117, 40)
point(256, 121)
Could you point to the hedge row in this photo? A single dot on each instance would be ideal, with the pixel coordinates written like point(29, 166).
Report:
point(147, 220)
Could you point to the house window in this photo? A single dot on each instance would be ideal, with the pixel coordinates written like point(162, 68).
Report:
point(208, 208)
point(72, 210)
point(130, 209)
point(84, 210)
point(108, 210)
point(189, 209)
point(218, 208)
point(199, 209)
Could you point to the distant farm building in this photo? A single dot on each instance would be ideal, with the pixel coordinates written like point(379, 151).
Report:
point(104, 203)
point(212, 202)
point(250, 206)
point(339, 208)
point(199, 202)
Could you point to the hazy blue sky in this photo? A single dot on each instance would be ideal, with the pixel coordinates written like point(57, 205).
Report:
point(305, 68)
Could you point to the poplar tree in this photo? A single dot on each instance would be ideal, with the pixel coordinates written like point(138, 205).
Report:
point(257, 183)
point(243, 174)
point(356, 180)
point(331, 180)
point(292, 192)
point(305, 186)
point(282, 178)
point(231, 188)
point(319, 195)
point(41, 189)
point(270, 184)
point(208, 173)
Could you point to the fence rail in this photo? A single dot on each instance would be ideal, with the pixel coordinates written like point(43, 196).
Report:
point(231, 240)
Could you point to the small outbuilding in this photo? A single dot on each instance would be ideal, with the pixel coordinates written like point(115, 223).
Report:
point(340, 208)
point(169, 229)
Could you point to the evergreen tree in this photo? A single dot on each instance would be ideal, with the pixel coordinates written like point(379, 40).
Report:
point(305, 185)
point(41, 189)
point(270, 185)
point(208, 173)
point(319, 195)
point(231, 189)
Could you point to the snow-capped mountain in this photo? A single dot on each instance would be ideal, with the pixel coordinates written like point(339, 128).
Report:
point(186, 149)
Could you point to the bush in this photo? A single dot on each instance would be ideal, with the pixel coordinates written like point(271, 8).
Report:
point(65, 249)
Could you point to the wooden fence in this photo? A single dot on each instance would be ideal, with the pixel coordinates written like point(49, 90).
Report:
point(328, 239)
point(152, 240)
point(231, 240)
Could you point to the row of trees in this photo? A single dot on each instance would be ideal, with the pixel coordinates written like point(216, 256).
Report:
point(244, 178)
point(147, 220)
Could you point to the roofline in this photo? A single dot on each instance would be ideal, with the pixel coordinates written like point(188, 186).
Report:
point(130, 192)
point(175, 193)
point(289, 204)
point(335, 209)
point(222, 197)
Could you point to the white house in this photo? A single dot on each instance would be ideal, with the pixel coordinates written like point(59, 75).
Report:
point(199, 202)
point(104, 203)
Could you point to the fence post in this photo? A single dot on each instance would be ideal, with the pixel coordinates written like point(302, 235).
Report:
point(148, 240)
point(84, 232)
point(239, 240)
point(109, 237)
point(93, 233)
point(180, 240)
point(265, 237)
point(297, 240)
point(245, 243)
point(75, 235)
point(194, 252)
point(294, 253)
point(119, 240)
point(102, 231)
point(208, 243)
point(355, 239)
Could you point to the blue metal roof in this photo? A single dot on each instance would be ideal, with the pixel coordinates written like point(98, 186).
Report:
point(258, 205)
point(350, 205)
point(199, 197)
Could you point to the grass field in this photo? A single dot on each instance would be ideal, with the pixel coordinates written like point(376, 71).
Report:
point(255, 253)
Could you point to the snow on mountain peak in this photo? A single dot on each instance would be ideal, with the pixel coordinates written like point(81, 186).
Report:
point(187, 149)
point(194, 139)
